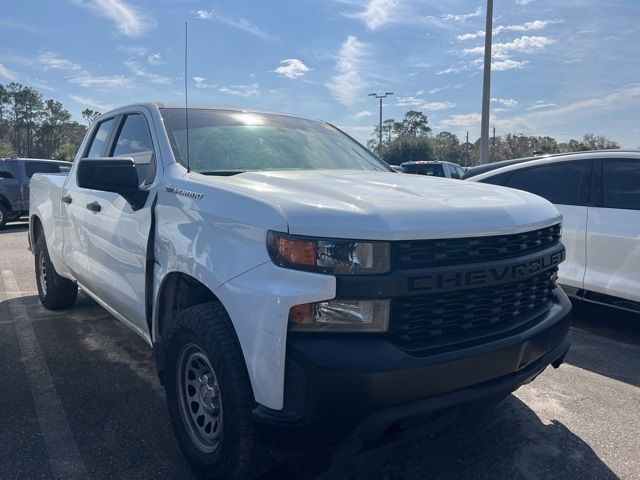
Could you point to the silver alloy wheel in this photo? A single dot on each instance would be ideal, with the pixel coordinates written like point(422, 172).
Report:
point(43, 275)
point(199, 398)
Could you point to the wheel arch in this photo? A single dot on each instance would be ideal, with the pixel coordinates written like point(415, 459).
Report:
point(177, 291)
point(36, 229)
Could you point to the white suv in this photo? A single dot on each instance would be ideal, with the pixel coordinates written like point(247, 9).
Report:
point(598, 194)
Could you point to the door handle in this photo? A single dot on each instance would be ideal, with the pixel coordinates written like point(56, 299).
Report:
point(67, 199)
point(94, 206)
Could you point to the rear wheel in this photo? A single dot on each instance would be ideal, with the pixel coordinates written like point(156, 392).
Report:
point(55, 292)
point(3, 216)
point(209, 395)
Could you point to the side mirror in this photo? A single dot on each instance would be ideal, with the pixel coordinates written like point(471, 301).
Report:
point(118, 175)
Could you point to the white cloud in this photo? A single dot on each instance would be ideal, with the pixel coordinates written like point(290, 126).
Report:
point(463, 17)
point(142, 72)
point(89, 102)
point(464, 120)
point(89, 81)
point(201, 82)
point(240, 23)
point(241, 90)
point(538, 104)
point(507, 102)
point(127, 19)
point(377, 13)
point(292, 68)
point(363, 114)
point(524, 44)
point(451, 69)
point(8, 74)
point(435, 106)
point(50, 61)
point(409, 101)
point(41, 84)
point(523, 2)
point(523, 27)
point(438, 89)
point(347, 85)
point(508, 64)
point(155, 59)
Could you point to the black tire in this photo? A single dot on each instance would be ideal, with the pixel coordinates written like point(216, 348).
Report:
point(238, 455)
point(55, 292)
point(4, 216)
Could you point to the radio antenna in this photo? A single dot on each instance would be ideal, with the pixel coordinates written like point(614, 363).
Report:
point(186, 92)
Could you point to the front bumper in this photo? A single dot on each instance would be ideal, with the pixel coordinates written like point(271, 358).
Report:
point(335, 384)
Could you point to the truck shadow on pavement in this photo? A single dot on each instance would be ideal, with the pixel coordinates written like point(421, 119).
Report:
point(507, 441)
point(115, 407)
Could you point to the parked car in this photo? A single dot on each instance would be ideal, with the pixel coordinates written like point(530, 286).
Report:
point(433, 168)
point(292, 286)
point(15, 174)
point(598, 194)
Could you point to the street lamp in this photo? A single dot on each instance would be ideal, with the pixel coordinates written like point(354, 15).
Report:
point(486, 86)
point(380, 96)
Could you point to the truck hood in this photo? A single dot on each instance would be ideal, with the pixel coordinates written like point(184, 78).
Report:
point(393, 206)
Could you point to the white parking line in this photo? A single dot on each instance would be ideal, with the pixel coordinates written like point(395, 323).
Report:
point(63, 453)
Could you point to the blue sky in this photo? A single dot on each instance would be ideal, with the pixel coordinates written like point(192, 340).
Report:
point(561, 68)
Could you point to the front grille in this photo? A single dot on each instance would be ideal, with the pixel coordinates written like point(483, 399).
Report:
point(458, 251)
point(427, 321)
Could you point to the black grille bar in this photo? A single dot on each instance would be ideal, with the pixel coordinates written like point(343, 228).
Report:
point(426, 321)
point(458, 251)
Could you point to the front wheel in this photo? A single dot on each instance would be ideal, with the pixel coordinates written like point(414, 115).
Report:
point(209, 395)
point(55, 292)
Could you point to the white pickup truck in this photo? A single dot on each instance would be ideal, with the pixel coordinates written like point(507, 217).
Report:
point(292, 286)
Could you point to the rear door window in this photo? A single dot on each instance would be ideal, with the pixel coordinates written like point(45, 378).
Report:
point(563, 183)
point(40, 167)
point(621, 184)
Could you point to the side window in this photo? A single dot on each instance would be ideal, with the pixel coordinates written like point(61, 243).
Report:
point(38, 167)
point(562, 183)
point(621, 184)
point(134, 140)
point(454, 172)
point(497, 179)
point(64, 168)
point(99, 139)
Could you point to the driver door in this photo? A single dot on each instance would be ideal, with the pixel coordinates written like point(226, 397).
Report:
point(117, 232)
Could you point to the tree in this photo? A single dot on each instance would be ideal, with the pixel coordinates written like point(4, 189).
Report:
point(5, 99)
point(589, 142)
point(414, 124)
point(52, 127)
point(407, 149)
point(90, 115)
point(446, 148)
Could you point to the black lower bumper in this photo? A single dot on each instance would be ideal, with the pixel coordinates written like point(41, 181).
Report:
point(334, 385)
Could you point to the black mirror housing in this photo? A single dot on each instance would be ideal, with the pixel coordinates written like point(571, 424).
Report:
point(118, 175)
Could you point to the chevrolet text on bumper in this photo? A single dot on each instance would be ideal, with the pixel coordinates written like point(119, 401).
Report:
point(292, 285)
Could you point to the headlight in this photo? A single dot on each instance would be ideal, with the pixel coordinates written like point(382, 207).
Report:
point(340, 316)
point(338, 257)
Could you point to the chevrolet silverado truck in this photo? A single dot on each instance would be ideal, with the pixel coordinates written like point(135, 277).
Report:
point(292, 286)
point(15, 174)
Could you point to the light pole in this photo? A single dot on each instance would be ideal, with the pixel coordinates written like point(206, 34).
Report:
point(380, 96)
point(486, 86)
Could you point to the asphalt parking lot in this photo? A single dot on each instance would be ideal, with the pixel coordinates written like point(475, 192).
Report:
point(80, 399)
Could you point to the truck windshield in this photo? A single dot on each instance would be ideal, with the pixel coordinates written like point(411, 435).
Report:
point(226, 142)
